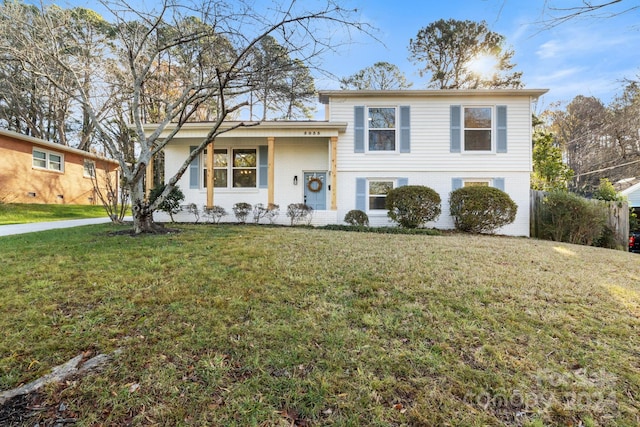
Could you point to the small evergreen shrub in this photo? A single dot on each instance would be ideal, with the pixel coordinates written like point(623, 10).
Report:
point(567, 217)
point(215, 213)
point(298, 212)
point(357, 217)
point(479, 209)
point(412, 206)
point(171, 203)
point(241, 211)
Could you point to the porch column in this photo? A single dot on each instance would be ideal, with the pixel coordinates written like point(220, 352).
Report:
point(334, 167)
point(210, 175)
point(270, 166)
point(149, 178)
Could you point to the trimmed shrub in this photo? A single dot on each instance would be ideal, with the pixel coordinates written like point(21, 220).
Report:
point(357, 217)
point(298, 212)
point(171, 203)
point(479, 209)
point(192, 208)
point(242, 210)
point(412, 206)
point(271, 212)
point(215, 213)
point(567, 217)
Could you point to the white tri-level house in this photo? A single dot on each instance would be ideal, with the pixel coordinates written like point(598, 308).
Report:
point(370, 142)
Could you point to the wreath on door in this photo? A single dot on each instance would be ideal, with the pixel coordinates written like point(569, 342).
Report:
point(314, 184)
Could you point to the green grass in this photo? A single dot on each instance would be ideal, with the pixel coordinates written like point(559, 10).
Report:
point(243, 325)
point(23, 213)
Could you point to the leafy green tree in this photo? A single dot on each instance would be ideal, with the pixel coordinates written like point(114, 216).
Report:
point(549, 170)
point(447, 50)
point(606, 191)
point(380, 76)
point(279, 82)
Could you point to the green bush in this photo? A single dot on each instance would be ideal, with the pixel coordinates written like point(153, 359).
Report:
point(567, 217)
point(171, 203)
point(479, 209)
point(412, 206)
point(356, 217)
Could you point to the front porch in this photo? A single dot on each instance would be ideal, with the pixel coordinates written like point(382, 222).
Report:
point(271, 163)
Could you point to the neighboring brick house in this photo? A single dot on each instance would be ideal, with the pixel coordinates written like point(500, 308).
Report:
point(371, 141)
point(36, 171)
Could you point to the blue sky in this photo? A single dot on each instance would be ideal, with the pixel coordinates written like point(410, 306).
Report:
point(580, 57)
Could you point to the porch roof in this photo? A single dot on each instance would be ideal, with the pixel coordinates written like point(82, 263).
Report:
point(252, 129)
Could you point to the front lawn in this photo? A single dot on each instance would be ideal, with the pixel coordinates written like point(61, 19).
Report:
point(23, 213)
point(273, 326)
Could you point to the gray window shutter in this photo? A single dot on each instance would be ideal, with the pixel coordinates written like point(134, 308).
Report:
point(263, 166)
point(405, 129)
point(361, 194)
point(498, 183)
point(501, 128)
point(194, 170)
point(358, 128)
point(455, 128)
point(403, 181)
point(456, 183)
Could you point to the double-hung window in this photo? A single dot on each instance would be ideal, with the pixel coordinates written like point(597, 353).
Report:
point(382, 128)
point(48, 160)
point(244, 168)
point(220, 168)
point(378, 190)
point(239, 172)
point(478, 126)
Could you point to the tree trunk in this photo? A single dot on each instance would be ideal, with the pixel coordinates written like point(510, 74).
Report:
point(142, 215)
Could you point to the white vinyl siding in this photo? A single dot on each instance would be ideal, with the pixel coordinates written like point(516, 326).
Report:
point(430, 138)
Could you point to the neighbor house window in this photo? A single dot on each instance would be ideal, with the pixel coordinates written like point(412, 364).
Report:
point(477, 128)
point(48, 160)
point(378, 193)
point(382, 128)
point(89, 168)
point(244, 168)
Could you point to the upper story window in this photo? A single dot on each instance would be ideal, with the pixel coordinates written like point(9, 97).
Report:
point(478, 125)
point(47, 160)
point(382, 128)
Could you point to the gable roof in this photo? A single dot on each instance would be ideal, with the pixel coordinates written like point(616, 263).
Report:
point(54, 146)
point(324, 95)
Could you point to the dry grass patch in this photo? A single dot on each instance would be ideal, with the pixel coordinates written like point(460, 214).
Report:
point(244, 325)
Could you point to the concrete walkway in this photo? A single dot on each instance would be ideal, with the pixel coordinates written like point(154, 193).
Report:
point(8, 230)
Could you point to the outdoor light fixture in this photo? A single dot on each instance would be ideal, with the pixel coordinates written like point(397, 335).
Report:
point(295, 180)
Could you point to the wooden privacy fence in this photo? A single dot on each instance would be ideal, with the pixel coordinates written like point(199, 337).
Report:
point(617, 217)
